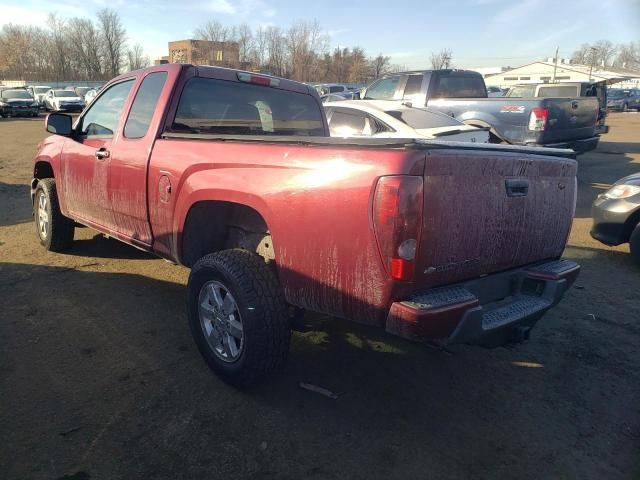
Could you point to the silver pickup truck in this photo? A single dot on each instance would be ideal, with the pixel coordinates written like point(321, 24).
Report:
point(548, 122)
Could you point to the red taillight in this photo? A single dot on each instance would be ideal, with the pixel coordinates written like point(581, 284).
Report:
point(397, 219)
point(258, 79)
point(538, 119)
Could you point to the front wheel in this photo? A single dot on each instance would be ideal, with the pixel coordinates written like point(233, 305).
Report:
point(238, 316)
point(55, 231)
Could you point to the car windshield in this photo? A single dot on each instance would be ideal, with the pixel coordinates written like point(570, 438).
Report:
point(41, 89)
point(64, 93)
point(82, 90)
point(16, 94)
point(419, 118)
point(618, 93)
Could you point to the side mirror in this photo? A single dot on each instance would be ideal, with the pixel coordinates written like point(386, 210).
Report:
point(59, 123)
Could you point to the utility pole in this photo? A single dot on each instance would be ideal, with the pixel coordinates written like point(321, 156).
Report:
point(555, 65)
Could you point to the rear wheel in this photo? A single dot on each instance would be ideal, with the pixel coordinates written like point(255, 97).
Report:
point(238, 316)
point(55, 231)
point(634, 245)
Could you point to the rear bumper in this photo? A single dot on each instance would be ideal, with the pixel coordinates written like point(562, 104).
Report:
point(490, 311)
point(578, 146)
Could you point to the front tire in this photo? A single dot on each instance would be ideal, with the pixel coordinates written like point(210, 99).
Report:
point(54, 230)
point(238, 316)
point(634, 245)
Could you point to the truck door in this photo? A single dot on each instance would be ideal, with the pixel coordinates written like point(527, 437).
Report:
point(131, 152)
point(86, 157)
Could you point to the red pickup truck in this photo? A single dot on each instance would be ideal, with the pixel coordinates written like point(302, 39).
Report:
point(233, 175)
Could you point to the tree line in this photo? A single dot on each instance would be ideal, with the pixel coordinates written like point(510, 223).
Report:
point(69, 49)
point(301, 52)
point(604, 53)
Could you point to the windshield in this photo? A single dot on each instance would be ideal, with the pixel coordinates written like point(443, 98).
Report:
point(82, 90)
point(16, 94)
point(41, 89)
point(618, 93)
point(521, 91)
point(420, 118)
point(64, 93)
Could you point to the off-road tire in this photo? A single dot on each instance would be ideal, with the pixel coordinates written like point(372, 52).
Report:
point(60, 230)
point(262, 309)
point(634, 245)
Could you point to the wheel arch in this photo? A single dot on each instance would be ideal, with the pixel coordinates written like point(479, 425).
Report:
point(215, 225)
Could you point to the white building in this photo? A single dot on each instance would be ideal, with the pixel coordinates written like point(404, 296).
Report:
point(538, 72)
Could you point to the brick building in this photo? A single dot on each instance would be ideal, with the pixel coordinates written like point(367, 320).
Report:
point(204, 52)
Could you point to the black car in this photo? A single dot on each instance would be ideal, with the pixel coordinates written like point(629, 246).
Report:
point(17, 102)
point(616, 215)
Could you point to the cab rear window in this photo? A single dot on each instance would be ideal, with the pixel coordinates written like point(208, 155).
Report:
point(459, 86)
point(234, 108)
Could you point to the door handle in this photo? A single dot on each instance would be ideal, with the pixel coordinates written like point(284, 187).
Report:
point(102, 153)
point(517, 187)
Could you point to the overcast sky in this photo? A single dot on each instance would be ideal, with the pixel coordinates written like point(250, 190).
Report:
point(480, 33)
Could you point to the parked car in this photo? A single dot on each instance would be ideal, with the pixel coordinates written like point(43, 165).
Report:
point(338, 97)
point(623, 99)
point(567, 89)
point(548, 122)
point(616, 215)
point(63, 100)
point(493, 91)
point(327, 88)
point(80, 91)
point(38, 92)
point(17, 102)
point(390, 119)
point(234, 175)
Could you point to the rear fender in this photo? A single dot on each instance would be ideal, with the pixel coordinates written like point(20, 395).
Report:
point(209, 185)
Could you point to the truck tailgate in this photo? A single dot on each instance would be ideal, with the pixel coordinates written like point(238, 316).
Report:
point(569, 119)
point(490, 211)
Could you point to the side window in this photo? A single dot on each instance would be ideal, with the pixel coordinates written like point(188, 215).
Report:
point(414, 85)
point(102, 118)
point(345, 123)
point(383, 89)
point(144, 105)
point(336, 88)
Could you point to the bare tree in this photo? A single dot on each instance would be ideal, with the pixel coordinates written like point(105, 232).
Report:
point(60, 47)
point(136, 58)
point(628, 56)
point(244, 37)
point(113, 40)
point(582, 55)
point(606, 52)
point(277, 52)
point(379, 65)
point(212, 31)
point(441, 59)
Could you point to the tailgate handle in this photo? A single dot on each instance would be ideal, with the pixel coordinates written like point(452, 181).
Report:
point(517, 187)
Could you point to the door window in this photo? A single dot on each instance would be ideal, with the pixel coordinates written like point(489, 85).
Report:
point(102, 118)
point(383, 89)
point(414, 85)
point(144, 105)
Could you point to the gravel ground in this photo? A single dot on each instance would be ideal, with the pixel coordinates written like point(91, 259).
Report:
point(99, 378)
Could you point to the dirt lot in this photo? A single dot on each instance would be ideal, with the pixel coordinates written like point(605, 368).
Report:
point(99, 378)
